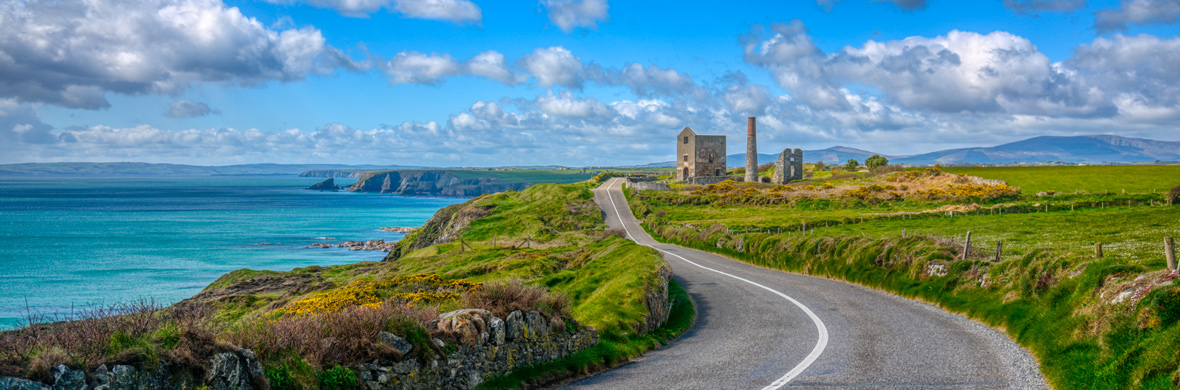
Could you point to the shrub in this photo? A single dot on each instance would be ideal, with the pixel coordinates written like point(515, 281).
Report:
point(1173, 196)
point(851, 165)
point(502, 298)
point(338, 378)
point(876, 161)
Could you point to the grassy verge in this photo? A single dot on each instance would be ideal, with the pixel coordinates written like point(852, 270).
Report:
point(1092, 322)
point(1104, 179)
point(609, 353)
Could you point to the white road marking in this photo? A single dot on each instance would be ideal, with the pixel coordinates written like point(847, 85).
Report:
point(819, 324)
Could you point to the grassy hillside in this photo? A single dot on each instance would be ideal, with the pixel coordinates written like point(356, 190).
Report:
point(1093, 322)
point(1112, 179)
point(545, 248)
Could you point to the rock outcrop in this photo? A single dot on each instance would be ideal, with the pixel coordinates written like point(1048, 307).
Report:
point(231, 370)
point(442, 228)
point(481, 346)
point(326, 185)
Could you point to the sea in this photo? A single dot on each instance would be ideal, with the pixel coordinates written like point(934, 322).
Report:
point(69, 244)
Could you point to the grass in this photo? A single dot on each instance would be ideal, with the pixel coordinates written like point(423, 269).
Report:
point(1050, 292)
point(1104, 179)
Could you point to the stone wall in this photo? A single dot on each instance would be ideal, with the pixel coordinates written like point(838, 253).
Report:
point(709, 146)
point(233, 370)
point(481, 346)
point(788, 167)
point(648, 185)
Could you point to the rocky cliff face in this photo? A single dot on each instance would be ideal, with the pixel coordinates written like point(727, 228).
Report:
point(431, 183)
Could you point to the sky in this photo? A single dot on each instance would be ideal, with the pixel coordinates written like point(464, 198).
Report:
point(570, 82)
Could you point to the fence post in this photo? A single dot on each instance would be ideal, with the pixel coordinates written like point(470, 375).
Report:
point(1098, 250)
point(999, 249)
point(1170, 253)
point(902, 232)
point(967, 245)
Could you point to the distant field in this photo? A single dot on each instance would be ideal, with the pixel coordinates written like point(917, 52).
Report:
point(528, 175)
point(1135, 178)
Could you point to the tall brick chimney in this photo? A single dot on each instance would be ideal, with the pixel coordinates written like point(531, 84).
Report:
point(751, 151)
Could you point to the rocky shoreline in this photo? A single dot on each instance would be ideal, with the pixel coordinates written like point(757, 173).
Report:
point(368, 245)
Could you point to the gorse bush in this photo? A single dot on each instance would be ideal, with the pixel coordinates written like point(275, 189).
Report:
point(413, 289)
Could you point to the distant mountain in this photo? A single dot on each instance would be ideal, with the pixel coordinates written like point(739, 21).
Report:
point(1091, 149)
point(146, 169)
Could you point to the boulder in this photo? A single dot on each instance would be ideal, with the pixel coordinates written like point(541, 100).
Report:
point(21, 384)
point(401, 345)
point(537, 326)
point(66, 379)
point(234, 371)
point(469, 326)
point(514, 325)
point(497, 331)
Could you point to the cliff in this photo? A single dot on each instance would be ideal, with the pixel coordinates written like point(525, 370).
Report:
point(326, 185)
point(437, 183)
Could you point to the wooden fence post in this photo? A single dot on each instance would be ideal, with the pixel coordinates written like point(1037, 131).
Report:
point(967, 245)
point(902, 232)
point(999, 249)
point(1098, 250)
point(1170, 253)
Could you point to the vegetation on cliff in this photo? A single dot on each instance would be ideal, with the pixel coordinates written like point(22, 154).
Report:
point(1093, 321)
point(545, 249)
point(459, 183)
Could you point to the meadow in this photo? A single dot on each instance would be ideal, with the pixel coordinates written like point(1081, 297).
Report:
point(1095, 179)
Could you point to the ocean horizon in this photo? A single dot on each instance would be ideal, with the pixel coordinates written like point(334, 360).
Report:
point(68, 243)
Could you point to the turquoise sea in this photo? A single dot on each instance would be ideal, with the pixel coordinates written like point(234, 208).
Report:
point(70, 242)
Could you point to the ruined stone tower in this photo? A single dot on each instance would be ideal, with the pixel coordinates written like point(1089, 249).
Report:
point(751, 151)
point(788, 167)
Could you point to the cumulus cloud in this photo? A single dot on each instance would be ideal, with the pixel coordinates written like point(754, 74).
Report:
point(492, 65)
point(571, 14)
point(419, 68)
point(908, 5)
point(71, 53)
point(189, 109)
point(455, 11)
point(554, 66)
point(957, 72)
point(1138, 12)
point(1034, 6)
point(566, 105)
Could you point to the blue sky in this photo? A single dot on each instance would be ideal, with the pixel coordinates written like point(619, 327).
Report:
point(569, 82)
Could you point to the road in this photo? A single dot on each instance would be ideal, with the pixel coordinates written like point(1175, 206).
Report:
point(766, 329)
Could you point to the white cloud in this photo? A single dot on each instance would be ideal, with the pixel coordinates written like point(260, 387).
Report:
point(1139, 12)
point(189, 109)
point(1033, 6)
point(491, 64)
point(455, 11)
point(571, 14)
point(419, 68)
point(554, 66)
point(565, 105)
point(71, 53)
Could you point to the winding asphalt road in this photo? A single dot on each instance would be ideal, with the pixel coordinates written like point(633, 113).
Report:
point(764, 329)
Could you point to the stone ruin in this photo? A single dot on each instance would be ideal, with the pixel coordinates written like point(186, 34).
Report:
point(788, 167)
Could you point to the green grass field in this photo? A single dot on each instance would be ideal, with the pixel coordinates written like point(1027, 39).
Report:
point(1097, 179)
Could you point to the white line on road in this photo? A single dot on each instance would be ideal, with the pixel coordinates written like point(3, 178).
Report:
point(819, 324)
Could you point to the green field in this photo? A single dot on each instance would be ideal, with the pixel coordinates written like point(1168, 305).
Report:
point(1050, 292)
point(1096, 179)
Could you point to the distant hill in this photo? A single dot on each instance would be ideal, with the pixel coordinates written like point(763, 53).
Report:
point(1090, 149)
point(146, 169)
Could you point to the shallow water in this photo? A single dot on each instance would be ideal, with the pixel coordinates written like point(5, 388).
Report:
point(70, 242)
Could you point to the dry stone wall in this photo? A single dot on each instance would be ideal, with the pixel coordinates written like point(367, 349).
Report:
point(481, 346)
point(233, 370)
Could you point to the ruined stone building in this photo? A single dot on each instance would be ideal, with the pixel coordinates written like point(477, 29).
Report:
point(788, 167)
point(700, 158)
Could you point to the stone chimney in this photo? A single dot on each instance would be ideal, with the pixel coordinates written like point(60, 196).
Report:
point(751, 151)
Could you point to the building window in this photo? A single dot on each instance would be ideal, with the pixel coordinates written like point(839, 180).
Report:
point(685, 158)
point(717, 172)
point(711, 157)
point(685, 140)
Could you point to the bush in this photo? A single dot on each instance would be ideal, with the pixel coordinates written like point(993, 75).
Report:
point(338, 378)
point(1173, 196)
point(851, 165)
point(876, 161)
point(502, 298)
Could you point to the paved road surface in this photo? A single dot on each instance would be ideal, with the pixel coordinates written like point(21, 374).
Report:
point(766, 329)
